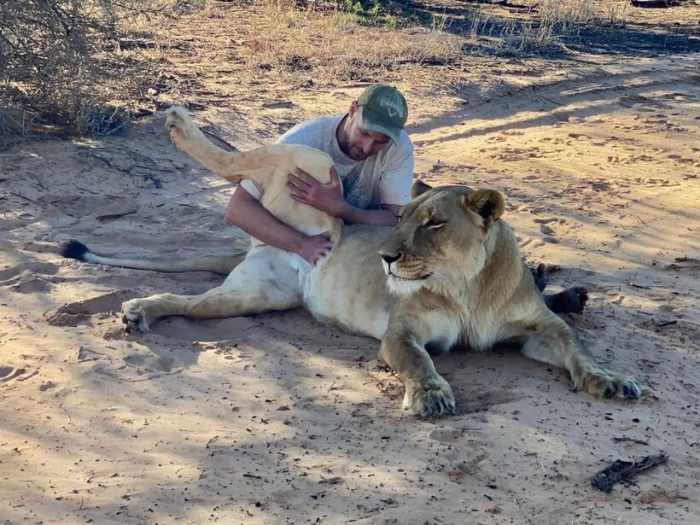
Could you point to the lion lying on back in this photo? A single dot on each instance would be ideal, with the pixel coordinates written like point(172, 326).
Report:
point(449, 273)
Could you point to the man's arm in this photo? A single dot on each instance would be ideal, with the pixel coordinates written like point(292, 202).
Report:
point(246, 212)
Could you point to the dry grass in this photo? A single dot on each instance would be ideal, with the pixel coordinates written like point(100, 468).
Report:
point(544, 26)
point(566, 13)
point(565, 16)
point(54, 65)
point(262, 49)
point(14, 123)
point(155, 53)
point(333, 47)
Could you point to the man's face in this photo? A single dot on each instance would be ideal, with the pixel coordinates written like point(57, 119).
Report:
point(362, 143)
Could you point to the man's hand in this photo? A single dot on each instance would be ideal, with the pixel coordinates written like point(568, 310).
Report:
point(325, 197)
point(314, 248)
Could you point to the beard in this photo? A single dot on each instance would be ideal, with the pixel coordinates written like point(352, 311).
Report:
point(354, 152)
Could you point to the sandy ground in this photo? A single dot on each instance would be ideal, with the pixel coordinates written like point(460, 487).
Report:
point(274, 419)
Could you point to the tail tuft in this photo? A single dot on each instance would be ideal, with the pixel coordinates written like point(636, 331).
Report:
point(74, 250)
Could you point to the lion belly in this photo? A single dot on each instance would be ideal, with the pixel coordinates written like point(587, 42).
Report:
point(349, 288)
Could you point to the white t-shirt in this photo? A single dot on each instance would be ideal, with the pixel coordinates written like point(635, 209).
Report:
point(385, 178)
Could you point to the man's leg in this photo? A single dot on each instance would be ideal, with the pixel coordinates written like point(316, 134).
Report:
point(571, 300)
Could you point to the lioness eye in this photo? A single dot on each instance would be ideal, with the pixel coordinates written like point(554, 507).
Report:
point(433, 224)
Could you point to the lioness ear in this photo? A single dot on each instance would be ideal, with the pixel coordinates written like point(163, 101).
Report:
point(419, 187)
point(489, 204)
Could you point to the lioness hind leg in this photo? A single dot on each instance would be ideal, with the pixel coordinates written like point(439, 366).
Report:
point(189, 138)
point(553, 341)
point(247, 290)
point(139, 314)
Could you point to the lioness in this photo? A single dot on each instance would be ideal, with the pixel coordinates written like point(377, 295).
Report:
point(449, 273)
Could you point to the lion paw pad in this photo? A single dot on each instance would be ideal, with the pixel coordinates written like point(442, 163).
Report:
point(134, 317)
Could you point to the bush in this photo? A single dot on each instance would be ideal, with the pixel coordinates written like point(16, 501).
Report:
point(48, 64)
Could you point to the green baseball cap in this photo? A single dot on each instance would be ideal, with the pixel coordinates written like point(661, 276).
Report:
point(384, 110)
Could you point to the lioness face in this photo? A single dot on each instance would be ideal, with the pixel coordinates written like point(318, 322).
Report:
point(441, 237)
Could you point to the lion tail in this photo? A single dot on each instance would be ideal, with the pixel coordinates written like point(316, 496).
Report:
point(74, 249)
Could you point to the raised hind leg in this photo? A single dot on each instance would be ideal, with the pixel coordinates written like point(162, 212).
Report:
point(260, 165)
point(552, 341)
point(263, 282)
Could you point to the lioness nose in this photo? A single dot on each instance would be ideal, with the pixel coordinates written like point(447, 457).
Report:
point(390, 258)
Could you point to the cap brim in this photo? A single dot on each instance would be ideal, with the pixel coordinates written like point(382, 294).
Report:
point(373, 122)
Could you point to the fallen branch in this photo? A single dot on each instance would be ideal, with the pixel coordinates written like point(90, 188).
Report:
point(623, 471)
point(654, 3)
point(633, 440)
point(666, 323)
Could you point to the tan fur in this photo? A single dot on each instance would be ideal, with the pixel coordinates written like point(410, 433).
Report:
point(450, 273)
point(268, 167)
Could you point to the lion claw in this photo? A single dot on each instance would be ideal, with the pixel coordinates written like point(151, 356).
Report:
point(607, 384)
point(431, 398)
point(134, 317)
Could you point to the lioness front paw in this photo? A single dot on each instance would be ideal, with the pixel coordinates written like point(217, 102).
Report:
point(431, 397)
point(134, 317)
point(606, 383)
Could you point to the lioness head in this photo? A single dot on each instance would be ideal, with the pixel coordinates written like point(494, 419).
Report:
point(441, 237)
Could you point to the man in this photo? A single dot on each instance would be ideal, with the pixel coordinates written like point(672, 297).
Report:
point(373, 159)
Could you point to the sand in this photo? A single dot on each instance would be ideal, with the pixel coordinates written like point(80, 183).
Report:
point(275, 419)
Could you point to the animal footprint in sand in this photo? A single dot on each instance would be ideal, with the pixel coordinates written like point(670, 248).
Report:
point(139, 367)
point(547, 230)
point(72, 314)
point(28, 278)
point(514, 154)
point(10, 373)
point(168, 365)
point(551, 233)
point(651, 182)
